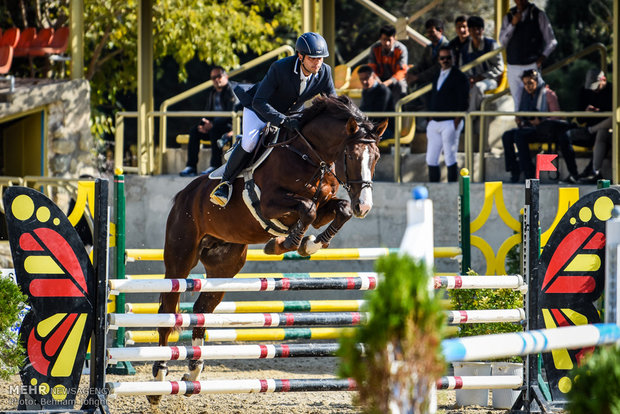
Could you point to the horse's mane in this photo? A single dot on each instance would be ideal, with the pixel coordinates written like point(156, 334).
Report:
point(339, 107)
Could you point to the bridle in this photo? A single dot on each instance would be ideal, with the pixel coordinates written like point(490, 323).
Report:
point(323, 168)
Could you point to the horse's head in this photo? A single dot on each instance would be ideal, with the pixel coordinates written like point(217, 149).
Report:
point(360, 158)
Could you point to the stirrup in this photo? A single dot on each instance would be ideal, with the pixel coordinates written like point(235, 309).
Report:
point(219, 200)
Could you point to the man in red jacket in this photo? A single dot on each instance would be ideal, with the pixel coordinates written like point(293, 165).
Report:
point(388, 59)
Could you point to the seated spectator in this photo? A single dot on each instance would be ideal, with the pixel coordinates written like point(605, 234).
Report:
point(219, 98)
point(388, 59)
point(459, 42)
point(596, 96)
point(427, 68)
point(449, 93)
point(376, 97)
point(482, 77)
point(536, 97)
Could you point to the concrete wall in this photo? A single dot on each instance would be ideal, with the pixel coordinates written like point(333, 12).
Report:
point(149, 200)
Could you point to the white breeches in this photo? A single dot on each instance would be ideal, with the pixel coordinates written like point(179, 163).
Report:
point(252, 126)
point(442, 135)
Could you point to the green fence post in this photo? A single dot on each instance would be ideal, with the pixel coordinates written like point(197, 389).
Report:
point(464, 221)
point(122, 367)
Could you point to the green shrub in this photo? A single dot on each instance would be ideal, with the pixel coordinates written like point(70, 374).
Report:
point(12, 302)
point(484, 299)
point(596, 384)
point(405, 325)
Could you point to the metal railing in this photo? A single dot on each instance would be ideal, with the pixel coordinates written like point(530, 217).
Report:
point(163, 109)
point(593, 48)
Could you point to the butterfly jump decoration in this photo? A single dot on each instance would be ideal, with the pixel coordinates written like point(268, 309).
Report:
point(571, 278)
point(52, 267)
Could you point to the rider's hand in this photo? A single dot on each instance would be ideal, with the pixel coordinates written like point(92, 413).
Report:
point(291, 123)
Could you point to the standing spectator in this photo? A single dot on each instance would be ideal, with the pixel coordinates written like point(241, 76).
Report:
point(536, 97)
point(596, 96)
point(449, 93)
point(459, 42)
point(376, 97)
point(219, 98)
point(482, 77)
point(388, 58)
point(426, 69)
point(528, 38)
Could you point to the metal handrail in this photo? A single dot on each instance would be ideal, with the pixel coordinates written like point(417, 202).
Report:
point(595, 47)
point(163, 124)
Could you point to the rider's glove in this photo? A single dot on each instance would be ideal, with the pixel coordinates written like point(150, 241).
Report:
point(291, 123)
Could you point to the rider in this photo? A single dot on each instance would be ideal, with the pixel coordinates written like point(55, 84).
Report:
point(289, 83)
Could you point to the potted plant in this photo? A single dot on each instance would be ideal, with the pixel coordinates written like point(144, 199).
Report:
point(401, 360)
point(12, 302)
point(596, 383)
point(484, 299)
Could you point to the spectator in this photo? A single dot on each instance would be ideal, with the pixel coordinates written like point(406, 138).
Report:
point(427, 68)
point(482, 77)
point(536, 97)
point(449, 93)
point(596, 96)
point(462, 36)
point(388, 58)
point(219, 98)
point(528, 38)
point(376, 97)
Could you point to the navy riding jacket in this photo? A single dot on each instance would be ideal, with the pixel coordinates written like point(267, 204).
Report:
point(278, 92)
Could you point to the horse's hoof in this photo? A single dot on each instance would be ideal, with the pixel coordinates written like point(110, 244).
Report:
point(308, 246)
point(274, 246)
point(270, 247)
point(154, 399)
point(185, 377)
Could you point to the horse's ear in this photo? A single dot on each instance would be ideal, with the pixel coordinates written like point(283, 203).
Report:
point(352, 126)
point(380, 129)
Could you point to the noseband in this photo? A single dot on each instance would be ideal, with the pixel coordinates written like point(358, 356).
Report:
point(365, 183)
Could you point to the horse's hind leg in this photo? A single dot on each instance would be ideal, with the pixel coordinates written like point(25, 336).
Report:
point(221, 260)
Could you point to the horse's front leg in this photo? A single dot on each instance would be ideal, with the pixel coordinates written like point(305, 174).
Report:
point(306, 211)
point(336, 212)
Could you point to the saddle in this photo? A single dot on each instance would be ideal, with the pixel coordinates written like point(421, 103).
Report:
point(251, 191)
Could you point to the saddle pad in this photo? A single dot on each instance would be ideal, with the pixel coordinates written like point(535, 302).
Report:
point(219, 172)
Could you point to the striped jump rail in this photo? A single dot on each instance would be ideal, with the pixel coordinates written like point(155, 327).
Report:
point(476, 348)
point(480, 382)
point(250, 334)
point(256, 320)
point(260, 306)
point(249, 320)
point(249, 386)
point(218, 352)
point(256, 255)
point(366, 281)
point(229, 386)
point(238, 285)
point(485, 316)
point(268, 275)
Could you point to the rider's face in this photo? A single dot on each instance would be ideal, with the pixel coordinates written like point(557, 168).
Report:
point(311, 65)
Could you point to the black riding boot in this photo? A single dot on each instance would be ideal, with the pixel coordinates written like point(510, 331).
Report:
point(453, 173)
point(236, 162)
point(434, 174)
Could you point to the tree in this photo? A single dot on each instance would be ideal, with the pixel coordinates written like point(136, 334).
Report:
point(12, 302)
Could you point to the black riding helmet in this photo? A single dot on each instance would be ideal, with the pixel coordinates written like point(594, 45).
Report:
point(312, 44)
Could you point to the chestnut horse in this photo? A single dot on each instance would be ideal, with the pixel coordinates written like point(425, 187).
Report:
point(298, 183)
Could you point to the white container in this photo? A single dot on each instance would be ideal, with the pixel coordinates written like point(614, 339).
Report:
point(465, 398)
point(506, 398)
